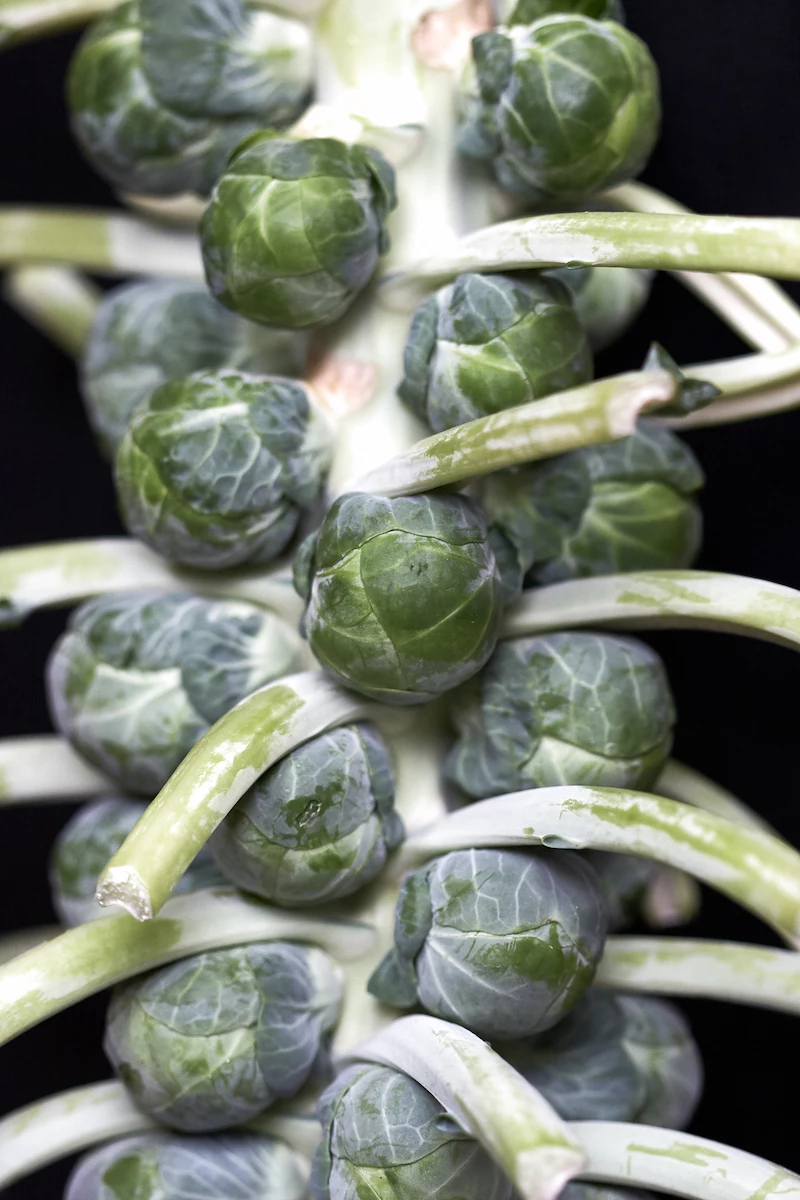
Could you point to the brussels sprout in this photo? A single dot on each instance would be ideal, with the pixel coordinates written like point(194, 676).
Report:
point(564, 708)
point(489, 342)
point(159, 1167)
point(623, 506)
point(607, 299)
point(625, 880)
point(616, 1058)
point(318, 825)
point(527, 11)
point(84, 846)
point(148, 332)
point(504, 942)
point(213, 1040)
point(404, 595)
point(216, 468)
point(294, 228)
point(562, 108)
point(138, 678)
point(132, 139)
point(219, 58)
point(384, 1136)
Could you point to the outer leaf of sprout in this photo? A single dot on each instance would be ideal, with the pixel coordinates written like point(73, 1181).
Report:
point(562, 108)
point(213, 1040)
point(325, 205)
point(318, 825)
point(138, 678)
point(217, 467)
point(405, 599)
point(608, 300)
point(499, 942)
point(487, 343)
point(568, 707)
point(527, 11)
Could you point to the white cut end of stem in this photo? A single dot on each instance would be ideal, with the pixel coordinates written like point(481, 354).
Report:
point(124, 886)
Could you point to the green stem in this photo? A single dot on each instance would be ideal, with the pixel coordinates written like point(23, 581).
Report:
point(64, 573)
point(761, 312)
point(110, 243)
point(663, 600)
point(89, 958)
point(741, 974)
point(758, 385)
point(642, 1156)
point(761, 245)
point(24, 20)
point(679, 782)
point(755, 869)
point(45, 767)
point(488, 1098)
point(598, 412)
point(59, 302)
point(213, 776)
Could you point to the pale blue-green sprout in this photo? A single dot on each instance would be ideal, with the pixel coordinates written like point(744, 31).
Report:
point(216, 468)
point(163, 1167)
point(84, 846)
point(213, 1040)
point(625, 880)
point(139, 677)
point(318, 825)
point(384, 1136)
point(616, 1058)
point(607, 299)
point(150, 331)
point(503, 942)
point(563, 708)
point(561, 108)
point(523, 12)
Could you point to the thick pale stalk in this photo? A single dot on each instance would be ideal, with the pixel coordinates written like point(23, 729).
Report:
point(761, 245)
point(74, 1121)
point(756, 869)
point(107, 242)
point(213, 776)
point(642, 1156)
point(61, 303)
point(738, 973)
point(487, 1097)
point(598, 412)
point(45, 767)
point(679, 782)
point(24, 20)
point(91, 957)
point(64, 573)
point(663, 600)
point(761, 312)
point(758, 385)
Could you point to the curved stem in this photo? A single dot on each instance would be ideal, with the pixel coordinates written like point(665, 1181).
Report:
point(213, 776)
point(731, 971)
point(761, 245)
point(61, 303)
point(755, 869)
point(63, 573)
point(110, 243)
point(24, 20)
point(598, 412)
point(487, 1097)
point(663, 600)
point(45, 767)
point(91, 957)
point(679, 782)
point(761, 312)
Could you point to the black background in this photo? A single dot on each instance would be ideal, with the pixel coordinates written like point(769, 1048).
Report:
point(732, 111)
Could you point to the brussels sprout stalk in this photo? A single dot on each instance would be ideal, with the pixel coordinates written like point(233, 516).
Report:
point(58, 301)
point(88, 958)
point(755, 386)
point(63, 573)
point(487, 1097)
point(23, 20)
point(756, 869)
point(214, 775)
point(663, 600)
point(761, 312)
point(44, 767)
point(683, 1164)
point(598, 412)
point(75, 1120)
point(109, 243)
point(738, 973)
